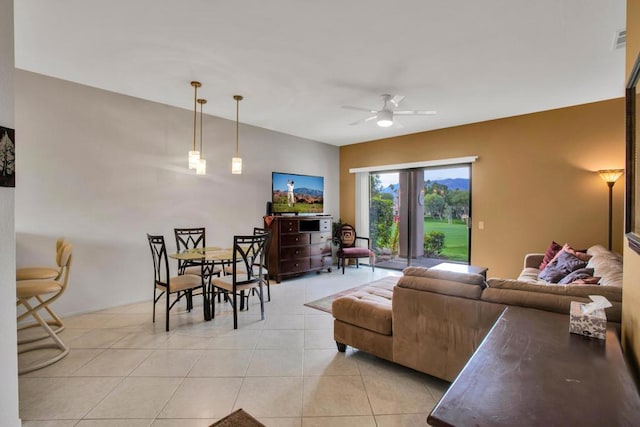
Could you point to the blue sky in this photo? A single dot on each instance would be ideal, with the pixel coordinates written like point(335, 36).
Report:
point(300, 181)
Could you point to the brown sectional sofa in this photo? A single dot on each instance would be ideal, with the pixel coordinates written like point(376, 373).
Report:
point(433, 321)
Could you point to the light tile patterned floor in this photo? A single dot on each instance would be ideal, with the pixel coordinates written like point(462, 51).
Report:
point(125, 371)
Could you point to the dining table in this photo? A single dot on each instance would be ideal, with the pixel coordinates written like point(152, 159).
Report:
point(207, 257)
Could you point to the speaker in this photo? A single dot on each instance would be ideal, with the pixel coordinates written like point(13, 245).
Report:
point(269, 208)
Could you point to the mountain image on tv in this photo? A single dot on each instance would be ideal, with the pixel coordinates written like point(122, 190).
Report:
point(307, 195)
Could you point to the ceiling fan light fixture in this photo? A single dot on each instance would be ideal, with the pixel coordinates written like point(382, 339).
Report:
point(385, 118)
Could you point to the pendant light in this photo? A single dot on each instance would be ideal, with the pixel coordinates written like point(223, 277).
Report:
point(236, 162)
point(201, 167)
point(194, 155)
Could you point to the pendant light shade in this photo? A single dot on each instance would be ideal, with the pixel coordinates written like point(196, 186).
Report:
point(194, 155)
point(236, 162)
point(201, 166)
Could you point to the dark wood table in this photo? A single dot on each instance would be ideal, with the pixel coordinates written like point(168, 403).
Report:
point(461, 268)
point(530, 371)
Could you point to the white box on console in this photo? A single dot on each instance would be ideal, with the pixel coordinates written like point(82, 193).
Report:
point(590, 324)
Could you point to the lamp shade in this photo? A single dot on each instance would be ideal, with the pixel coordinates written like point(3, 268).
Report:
point(610, 175)
point(236, 165)
point(201, 168)
point(385, 118)
point(194, 159)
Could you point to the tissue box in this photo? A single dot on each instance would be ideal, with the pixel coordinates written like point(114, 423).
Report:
point(591, 325)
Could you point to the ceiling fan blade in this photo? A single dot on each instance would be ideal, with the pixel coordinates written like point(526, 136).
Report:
point(349, 107)
point(362, 121)
point(415, 113)
point(397, 99)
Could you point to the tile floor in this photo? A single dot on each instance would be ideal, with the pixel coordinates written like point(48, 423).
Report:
point(123, 370)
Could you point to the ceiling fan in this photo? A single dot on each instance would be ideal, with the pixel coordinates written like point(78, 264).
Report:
point(384, 117)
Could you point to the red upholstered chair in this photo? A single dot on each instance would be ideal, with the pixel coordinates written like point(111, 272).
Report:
point(347, 240)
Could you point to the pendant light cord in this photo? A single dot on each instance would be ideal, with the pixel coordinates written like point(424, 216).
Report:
point(237, 122)
point(195, 85)
point(201, 102)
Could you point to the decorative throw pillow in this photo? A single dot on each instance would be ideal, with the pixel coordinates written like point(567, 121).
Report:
point(563, 264)
point(587, 281)
point(580, 254)
point(549, 254)
point(579, 274)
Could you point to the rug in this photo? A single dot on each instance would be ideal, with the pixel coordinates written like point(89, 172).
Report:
point(238, 418)
point(324, 304)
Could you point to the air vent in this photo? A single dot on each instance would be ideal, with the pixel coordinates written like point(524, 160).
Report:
point(620, 39)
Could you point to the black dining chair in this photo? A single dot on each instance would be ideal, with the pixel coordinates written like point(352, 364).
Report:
point(163, 283)
point(246, 272)
point(265, 269)
point(189, 239)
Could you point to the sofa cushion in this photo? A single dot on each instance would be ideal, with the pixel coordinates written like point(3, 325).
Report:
point(443, 282)
point(581, 273)
point(368, 308)
point(550, 297)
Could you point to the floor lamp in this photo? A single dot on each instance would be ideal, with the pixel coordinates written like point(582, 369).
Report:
point(610, 176)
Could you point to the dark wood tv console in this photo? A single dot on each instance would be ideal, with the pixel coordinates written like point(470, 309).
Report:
point(299, 244)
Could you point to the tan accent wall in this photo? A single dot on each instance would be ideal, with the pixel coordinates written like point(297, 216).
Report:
point(534, 180)
point(631, 290)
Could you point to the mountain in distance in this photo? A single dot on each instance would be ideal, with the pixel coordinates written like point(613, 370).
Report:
point(454, 183)
point(391, 189)
point(308, 192)
point(451, 183)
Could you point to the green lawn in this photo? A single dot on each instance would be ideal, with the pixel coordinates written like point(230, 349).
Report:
point(455, 240)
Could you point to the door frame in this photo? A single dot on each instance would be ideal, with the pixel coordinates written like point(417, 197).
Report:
point(362, 187)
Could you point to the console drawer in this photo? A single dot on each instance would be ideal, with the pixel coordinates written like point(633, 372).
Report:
point(322, 249)
point(294, 265)
point(289, 226)
point(298, 239)
point(321, 261)
point(320, 238)
point(294, 252)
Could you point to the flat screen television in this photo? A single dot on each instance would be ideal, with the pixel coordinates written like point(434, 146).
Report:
point(294, 193)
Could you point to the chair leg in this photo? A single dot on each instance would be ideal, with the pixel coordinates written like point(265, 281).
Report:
point(261, 295)
point(235, 310)
point(55, 321)
point(342, 265)
point(155, 300)
point(57, 342)
point(167, 313)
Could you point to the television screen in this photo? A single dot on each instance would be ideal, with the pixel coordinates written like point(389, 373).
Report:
point(293, 193)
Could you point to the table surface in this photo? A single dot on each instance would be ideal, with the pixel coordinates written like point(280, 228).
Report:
point(530, 371)
point(210, 253)
point(461, 268)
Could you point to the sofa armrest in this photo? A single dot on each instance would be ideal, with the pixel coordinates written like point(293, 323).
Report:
point(556, 298)
point(533, 260)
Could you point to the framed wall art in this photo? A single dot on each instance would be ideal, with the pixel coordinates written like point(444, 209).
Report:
point(7, 157)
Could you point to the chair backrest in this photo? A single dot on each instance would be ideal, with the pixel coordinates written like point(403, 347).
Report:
point(247, 252)
point(160, 260)
point(64, 258)
point(257, 231)
point(189, 238)
point(347, 236)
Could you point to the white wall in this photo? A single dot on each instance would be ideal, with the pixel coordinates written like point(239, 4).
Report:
point(103, 169)
point(8, 347)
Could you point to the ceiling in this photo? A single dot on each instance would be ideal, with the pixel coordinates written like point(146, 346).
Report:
point(297, 62)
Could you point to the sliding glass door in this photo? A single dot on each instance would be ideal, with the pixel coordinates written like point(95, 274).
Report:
point(420, 216)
